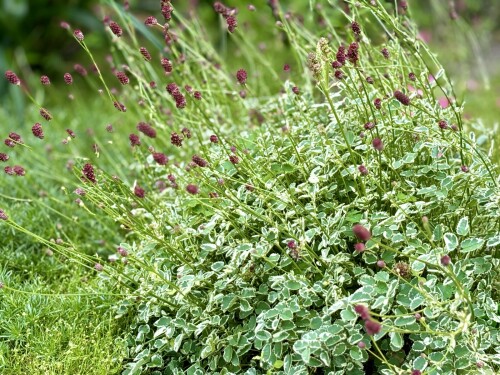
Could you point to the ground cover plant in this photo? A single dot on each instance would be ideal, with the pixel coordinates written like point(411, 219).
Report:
point(327, 216)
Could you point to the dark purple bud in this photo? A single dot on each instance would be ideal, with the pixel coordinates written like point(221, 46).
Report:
point(241, 76)
point(372, 327)
point(378, 144)
point(380, 263)
point(361, 345)
point(3, 157)
point(78, 35)
point(362, 311)
point(416, 372)
point(192, 189)
point(356, 29)
point(369, 125)
point(68, 78)
point(12, 77)
point(37, 130)
point(18, 170)
point(116, 29)
point(464, 168)
point(412, 77)
point(134, 140)
point(3, 215)
point(377, 103)
point(45, 114)
point(361, 232)
point(295, 90)
point(445, 260)
point(443, 124)
point(359, 247)
point(214, 138)
point(45, 80)
point(232, 23)
point(402, 98)
point(139, 192)
point(98, 267)
point(122, 251)
point(145, 53)
point(370, 80)
point(88, 173)
point(160, 158)
point(146, 129)
point(122, 77)
point(151, 21)
point(234, 159)
point(341, 55)
point(176, 139)
point(363, 170)
point(198, 160)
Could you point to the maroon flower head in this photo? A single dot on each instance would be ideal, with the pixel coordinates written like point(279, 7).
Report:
point(68, 78)
point(443, 124)
point(402, 98)
point(341, 55)
point(361, 345)
point(45, 80)
point(176, 139)
point(359, 247)
point(167, 65)
point(15, 137)
point(146, 129)
point(286, 68)
point(12, 77)
point(119, 106)
point(339, 75)
point(139, 192)
point(234, 159)
point(353, 53)
point(37, 130)
point(145, 53)
point(362, 311)
point(78, 35)
point(291, 244)
point(416, 372)
point(98, 267)
point(336, 65)
point(445, 260)
point(241, 76)
point(88, 173)
point(122, 77)
point(3, 157)
point(385, 53)
point(9, 170)
point(412, 76)
point(64, 25)
point(192, 189)
point(160, 158)
point(295, 90)
point(363, 170)
point(166, 11)
point(380, 263)
point(231, 24)
point(18, 170)
point(377, 103)
point(197, 95)
point(361, 232)
point(122, 251)
point(109, 128)
point(214, 138)
point(464, 169)
point(356, 29)
point(151, 21)
point(198, 160)
point(372, 327)
point(134, 140)
point(369, 125)
point(3, 215)
point(370, 80)
point(378, 144)
point(80, 70)
point(9, 142)
point(45, 114)
point(115, 28)
point(71, 133)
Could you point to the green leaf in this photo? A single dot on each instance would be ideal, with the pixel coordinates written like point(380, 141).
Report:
point(156, 361)
point(263, 335)
point(420, 363)
point(463, 226)
point(293, 285)
point(178, 342)
point(356, 354)
point(396, 341)
point(471, 244)
point(228, 354)
point(348, 315)
point(451, 241)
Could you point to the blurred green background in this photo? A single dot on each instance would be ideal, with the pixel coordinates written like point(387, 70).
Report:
point(32, 42)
